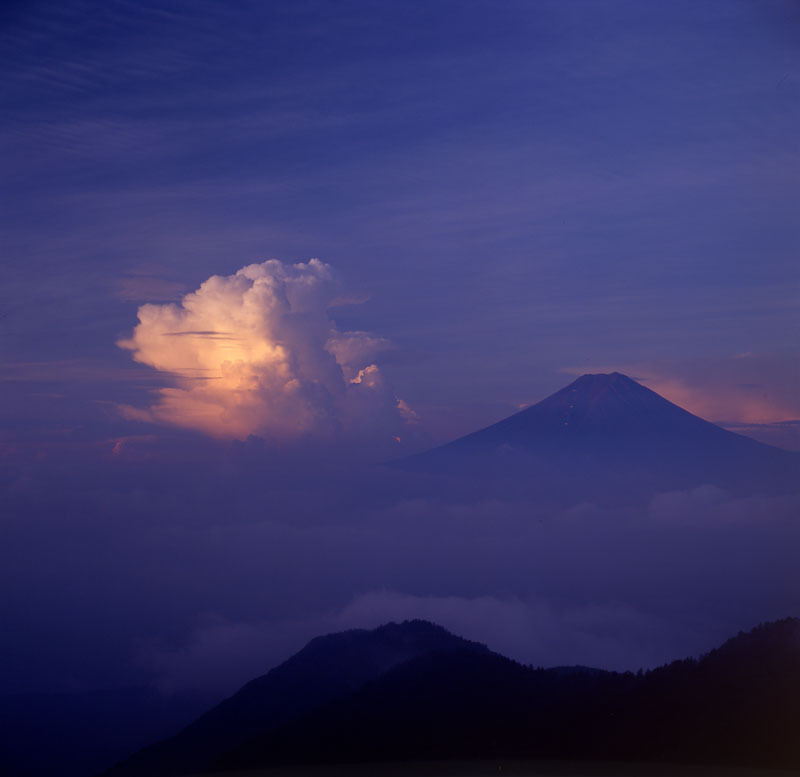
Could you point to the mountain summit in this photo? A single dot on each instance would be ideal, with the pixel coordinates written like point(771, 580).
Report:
point(604, 432)
point(601, 405)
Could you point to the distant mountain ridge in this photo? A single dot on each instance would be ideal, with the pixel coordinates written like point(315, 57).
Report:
point(739, 705)
point(604, 432)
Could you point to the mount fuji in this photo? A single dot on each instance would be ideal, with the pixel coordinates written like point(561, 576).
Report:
point(606, 434)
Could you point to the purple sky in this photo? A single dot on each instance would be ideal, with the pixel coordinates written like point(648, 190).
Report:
point(515, 189)
point(503, 195)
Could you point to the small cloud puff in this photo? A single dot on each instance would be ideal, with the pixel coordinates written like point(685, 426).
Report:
point(255, 353)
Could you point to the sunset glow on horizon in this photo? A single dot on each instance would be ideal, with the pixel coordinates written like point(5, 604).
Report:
point(741, 389)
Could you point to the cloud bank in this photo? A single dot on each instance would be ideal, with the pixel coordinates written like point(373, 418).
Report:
point(616, 589)
point(200, 565)
point(256, 353)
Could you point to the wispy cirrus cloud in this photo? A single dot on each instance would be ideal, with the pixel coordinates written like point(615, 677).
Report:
point(147, 287)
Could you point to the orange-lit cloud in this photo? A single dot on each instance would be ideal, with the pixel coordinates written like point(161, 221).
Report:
point(256, 353)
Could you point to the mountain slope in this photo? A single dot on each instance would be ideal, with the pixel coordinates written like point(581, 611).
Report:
point(439, 706)
point(327, 668)
point(740, 704)
point(606, 434)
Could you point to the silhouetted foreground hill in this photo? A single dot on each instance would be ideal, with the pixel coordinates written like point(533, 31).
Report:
point(606, 437)
point(327, 668)
point(740, 705)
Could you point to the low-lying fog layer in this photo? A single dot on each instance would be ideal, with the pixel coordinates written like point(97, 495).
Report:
point(197, 565)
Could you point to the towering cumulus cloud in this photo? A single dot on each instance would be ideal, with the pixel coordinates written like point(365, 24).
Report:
point(256, 353)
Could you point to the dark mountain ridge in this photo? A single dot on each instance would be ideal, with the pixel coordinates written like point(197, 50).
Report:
point(607, 435)
point(452, 699)
point(326, 668)
point(738, 705)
